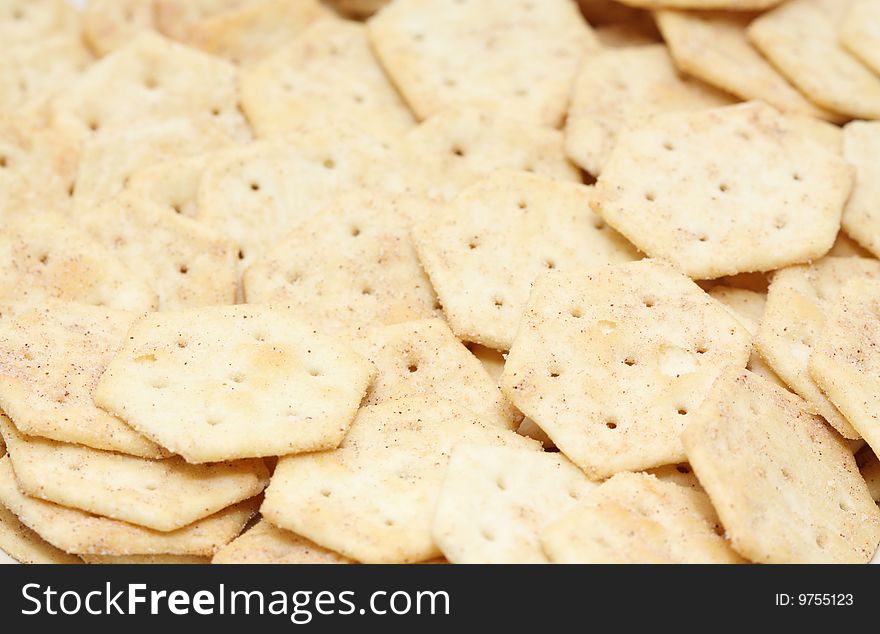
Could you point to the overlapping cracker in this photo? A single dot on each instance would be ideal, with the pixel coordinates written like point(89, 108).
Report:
point(328, 71)
point(25, 546)
point(265, 385)
point(858, 31)
point(800, 38)
point(724, 191)
point(110, 24)
point(424, 357)
point(173, 184)
point(373, 498)
point(618, 88)
point(637, 518)
point(798, 303)
point(495, 502)
point(484, 249)
point(680, 474)
point(177, 18)
point(861, 217)
point(846, 247)
point(612, 362)
point(519, 55)
point(267, 544)
point(352, 265)
point(785, 486)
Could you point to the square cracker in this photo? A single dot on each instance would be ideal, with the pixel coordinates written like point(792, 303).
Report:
point(424, 357)
point(352, 265)
point(160, 494)
point(635, 518)
point(173, 184)
point(618, 88)
point(859, 32)
point(25, 546)
point(714, 48)
point(861, 217)
point(328, 71)
point(455, 148)
point(785, 486)
point(770, 198)
point(800, 38)
point(23, 21)
point(845, 361)
point(612, 361)
point(495, 501)
point(50, 361)
point(265, 385)
point(798, 303)
point(483, 250)
point(373, 498)
point(150, 78)
point(78, 532)
point(248, 33)
point(186, 263)
point(267, 544)
point(496, 54)
point(110, 24)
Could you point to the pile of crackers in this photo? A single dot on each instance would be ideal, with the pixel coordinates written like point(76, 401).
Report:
point(477, 281)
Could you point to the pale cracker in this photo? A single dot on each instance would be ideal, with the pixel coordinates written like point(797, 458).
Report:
point(23, 21)
point(825, 133)
point(785, 486)
point(635, 518)
point(267, 544)
point(352, 265)
point(484, 249)
point(25, 546)
point(110, 24)
point(800, 39)
point(611, 362)
point(50, 361)
point(497, 54)
point(861, 217)
point(714, 48)
point(373, 498)
point(495, 502)
point(845, 361)
point(265, 385)
point(858, 32)
point(256, 29)
point(724, 191)
point(150, 78)
point(146, 559)
point(798, 303)
point(160, 494)
point(173, 184)
point(424, 357)
point(530, 429)
point(328, 71)
point(177, 18)
point(83, 533)
point(185, 263)
point(455, 148)
point(618, 88)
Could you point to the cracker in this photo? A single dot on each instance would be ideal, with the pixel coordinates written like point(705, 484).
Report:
point(373, 498)
point(266, 544)
point(495, 501)
point(254, 30)
point(177, 18)
point(146, 559)
point(680, 474)
point(328, 71)
point(24, 21)
point(869, 466)
point(497, 54)
point(484, 249)
point(769, 198)
point(846, 247)
point(173, 184)
point(798, 304)
point(44, 256)
point(800, 39)
point(845, 361)
point(825, 133)
point(160, 494)
point(150, 78)
point(350, 266)
point(861, 217)
point(50, 361)
point(635, 518)
point(108, 161)
point(785, 486)
point(858, 32)
point(612, 362)
point(618, 88)
point(25, 546)
point(185, 263)
point(530, 429)
point(110, 24)
point(424, 357)
point(78, 532)
point(492, 360)
point(456, 148)
point(265, 385)
point(714, 48)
